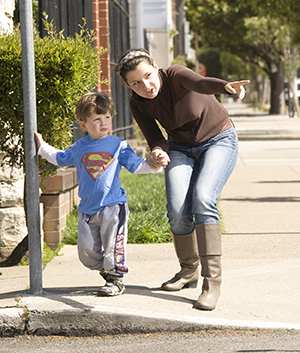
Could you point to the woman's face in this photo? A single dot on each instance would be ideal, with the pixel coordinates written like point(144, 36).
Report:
point(144, 80)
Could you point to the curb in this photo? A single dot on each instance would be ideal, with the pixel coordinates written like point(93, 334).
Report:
point(87, 323)
point(12, 322)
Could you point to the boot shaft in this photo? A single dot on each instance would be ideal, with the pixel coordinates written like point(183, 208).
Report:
point(209, 239)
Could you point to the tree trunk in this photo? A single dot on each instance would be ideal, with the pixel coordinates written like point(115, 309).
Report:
point(277, 88)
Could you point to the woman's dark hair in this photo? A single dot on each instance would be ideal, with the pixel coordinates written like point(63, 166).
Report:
point(130, 59)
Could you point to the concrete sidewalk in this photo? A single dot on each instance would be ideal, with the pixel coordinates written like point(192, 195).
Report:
point(261, 258)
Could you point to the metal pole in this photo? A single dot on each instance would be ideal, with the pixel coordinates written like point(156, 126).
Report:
point(31, 162)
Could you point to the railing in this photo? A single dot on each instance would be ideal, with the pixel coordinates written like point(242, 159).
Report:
point(67, 14)
point(120, 41)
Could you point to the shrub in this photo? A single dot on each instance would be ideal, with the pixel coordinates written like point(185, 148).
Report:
point(65, 69)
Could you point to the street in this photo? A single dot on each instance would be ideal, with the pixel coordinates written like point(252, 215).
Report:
point(222, 341)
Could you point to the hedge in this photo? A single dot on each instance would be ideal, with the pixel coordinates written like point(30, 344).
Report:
point(65, 69)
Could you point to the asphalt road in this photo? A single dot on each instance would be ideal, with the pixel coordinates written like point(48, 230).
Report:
point(225, 341)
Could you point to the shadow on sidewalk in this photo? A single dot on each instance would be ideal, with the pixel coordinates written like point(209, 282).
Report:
point(69, 295)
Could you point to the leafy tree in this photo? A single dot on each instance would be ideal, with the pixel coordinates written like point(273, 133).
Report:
point(288, 11)
point(233, 67)
point(240, 28)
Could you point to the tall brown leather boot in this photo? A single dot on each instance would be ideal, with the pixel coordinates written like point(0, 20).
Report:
point(186, 248)
point(209, 245)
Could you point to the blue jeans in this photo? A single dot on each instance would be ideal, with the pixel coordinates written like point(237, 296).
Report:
point(195, 178)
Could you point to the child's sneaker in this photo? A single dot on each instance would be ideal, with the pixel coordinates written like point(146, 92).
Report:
point(113, 286)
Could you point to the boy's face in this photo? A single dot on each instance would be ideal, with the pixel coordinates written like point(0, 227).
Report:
point(98, 126)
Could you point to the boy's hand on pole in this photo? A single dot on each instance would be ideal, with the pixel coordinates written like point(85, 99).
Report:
point(38, 139)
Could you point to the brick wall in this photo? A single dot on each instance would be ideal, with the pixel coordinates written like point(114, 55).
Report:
point(59, 195)
point(101, 28)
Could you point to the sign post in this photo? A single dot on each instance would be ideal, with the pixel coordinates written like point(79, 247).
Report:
point(31, 161)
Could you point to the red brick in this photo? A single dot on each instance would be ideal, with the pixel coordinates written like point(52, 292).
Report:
point(103, 23)
point(63, 180)
point(101, 28)
point(103, 5)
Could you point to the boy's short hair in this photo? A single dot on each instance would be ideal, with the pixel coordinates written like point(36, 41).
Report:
point(94, 102)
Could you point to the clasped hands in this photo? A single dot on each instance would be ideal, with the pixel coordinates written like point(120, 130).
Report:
point(158, 158)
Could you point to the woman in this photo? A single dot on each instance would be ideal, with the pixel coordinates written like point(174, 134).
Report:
point(199, 155)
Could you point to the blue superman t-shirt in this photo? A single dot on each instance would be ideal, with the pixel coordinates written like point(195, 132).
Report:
point(99, 163)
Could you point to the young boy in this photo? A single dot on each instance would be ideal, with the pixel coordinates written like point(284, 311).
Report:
point(103, 211)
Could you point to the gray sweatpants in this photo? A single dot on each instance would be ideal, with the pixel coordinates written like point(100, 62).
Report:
point(102, 239)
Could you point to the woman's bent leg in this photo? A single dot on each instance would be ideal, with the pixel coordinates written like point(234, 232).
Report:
point(179, 176)
point(179, 182)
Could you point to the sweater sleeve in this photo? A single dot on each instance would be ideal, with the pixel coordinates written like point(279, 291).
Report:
point(192, 81)
point(149, 128)
point(49, 153)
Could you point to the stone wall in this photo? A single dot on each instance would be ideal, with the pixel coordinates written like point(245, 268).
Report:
point(12, 215)
point(7, 8)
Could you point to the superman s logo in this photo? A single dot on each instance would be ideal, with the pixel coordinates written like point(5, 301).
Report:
point(96, 162)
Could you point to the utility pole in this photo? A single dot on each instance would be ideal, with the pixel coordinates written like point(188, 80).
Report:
point(31, 161)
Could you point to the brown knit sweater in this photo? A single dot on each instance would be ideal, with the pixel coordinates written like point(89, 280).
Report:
point(185, 106)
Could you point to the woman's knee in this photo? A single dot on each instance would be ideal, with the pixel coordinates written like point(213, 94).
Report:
point(180, 223)
point(203, 201)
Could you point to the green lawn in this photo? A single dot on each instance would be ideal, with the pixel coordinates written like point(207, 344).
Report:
point(148, 222)
point(147, 205)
